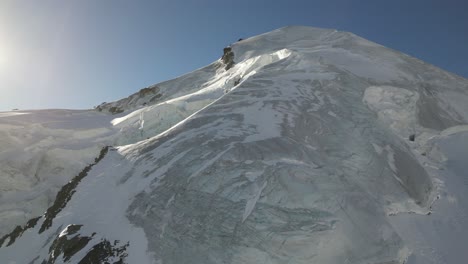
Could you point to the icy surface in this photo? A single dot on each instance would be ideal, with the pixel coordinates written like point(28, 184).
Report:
point(395, 107)
point(441, 237)
point(39, 152)
point(299, 153)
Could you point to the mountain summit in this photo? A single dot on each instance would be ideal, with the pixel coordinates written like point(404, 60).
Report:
point(300, 145)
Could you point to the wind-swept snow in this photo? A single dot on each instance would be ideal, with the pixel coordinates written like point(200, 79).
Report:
point(315, 146)
point(39, 152)
point(396, 107)
point(55, 144)
point(441, 236)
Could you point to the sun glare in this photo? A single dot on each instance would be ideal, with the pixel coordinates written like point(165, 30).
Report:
point(3, 58)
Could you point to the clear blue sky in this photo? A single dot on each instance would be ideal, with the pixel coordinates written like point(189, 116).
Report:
point(79, 53)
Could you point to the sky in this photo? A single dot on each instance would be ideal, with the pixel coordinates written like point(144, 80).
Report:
point(76, 54)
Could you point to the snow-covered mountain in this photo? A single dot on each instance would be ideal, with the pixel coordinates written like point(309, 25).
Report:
point(301, 145)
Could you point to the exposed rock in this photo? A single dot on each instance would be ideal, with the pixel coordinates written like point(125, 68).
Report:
point(67, 245)
point(146, 91)
point(293, 165)
point(115, 110)
point(17, 232)
point(141, 98)
point(228, 58)
point(65, 194)
point(105, 252)
point(237, 81)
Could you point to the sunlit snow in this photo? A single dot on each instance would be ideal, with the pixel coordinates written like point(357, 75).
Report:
point(317, 146)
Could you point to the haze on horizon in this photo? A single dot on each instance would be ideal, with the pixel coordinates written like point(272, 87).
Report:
point(77, 54)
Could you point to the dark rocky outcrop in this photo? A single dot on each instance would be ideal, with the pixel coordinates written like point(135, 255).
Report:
point(66, 245)
point(237, 81)
point(145, 91)
point(115, 110)
point(18, 231)
point(143, 97)
point(67, 191)
point(69, 242)
point(228, 58)
point(101, 252)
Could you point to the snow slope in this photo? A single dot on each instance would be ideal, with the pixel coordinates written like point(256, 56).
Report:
point(40, 151)
point(298, 153)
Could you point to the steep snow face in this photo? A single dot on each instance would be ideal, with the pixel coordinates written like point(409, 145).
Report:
point(164, 115)
point(55, 145)
point(298, 153)
point(39, 152)
point(42, 150)
point(441, 236)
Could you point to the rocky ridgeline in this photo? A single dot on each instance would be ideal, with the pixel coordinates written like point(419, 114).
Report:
point(145, 96)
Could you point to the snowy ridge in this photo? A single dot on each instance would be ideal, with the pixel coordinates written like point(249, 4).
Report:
point(166, 114)
point(311, 148)
point(61, 142)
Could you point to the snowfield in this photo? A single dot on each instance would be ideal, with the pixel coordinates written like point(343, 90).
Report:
point(300, 145)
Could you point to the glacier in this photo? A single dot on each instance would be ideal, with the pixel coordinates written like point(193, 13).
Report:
point(301, 145)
